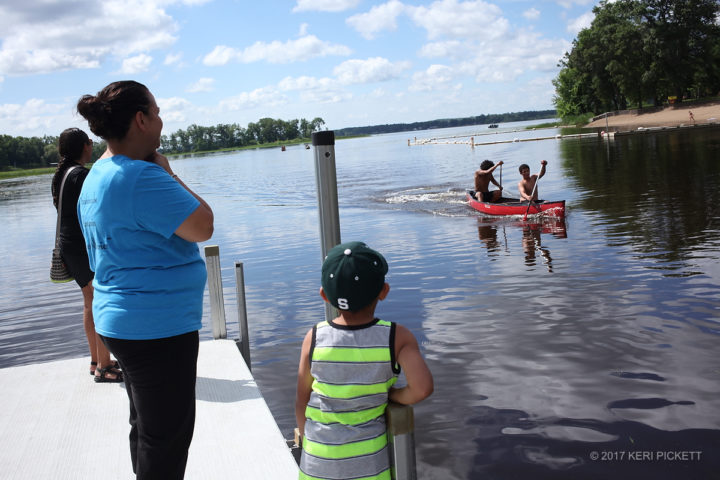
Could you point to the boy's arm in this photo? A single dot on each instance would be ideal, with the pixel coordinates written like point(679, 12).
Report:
point(418, 376)
point(304, 383)
point(542, 168)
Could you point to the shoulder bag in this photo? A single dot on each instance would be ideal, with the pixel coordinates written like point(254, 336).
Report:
point(58, 270)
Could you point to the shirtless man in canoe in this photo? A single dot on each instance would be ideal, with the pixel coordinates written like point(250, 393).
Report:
point(526, 185)
point(483, 178)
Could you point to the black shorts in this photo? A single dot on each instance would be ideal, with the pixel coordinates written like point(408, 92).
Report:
point(486, 197)
point(76, 260)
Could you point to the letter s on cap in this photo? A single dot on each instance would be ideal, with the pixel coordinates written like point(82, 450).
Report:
point(343, 304)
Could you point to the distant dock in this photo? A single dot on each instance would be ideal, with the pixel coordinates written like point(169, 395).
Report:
point(610, 134)
point(56, 422)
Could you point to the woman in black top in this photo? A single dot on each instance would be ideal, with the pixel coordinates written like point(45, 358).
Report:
point(75, 149)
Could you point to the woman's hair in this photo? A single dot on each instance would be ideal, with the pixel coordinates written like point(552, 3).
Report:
point(70, 148)
point(110, 111)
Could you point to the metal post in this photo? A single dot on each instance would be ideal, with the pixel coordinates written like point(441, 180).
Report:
point(326, 179)
point(401, 434)
point(242, 313)
point(217, 303)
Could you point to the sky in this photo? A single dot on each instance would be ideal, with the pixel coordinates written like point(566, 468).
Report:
point(349, 62)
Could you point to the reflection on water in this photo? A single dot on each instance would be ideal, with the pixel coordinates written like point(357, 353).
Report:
point(532, 230)
point(549, 340)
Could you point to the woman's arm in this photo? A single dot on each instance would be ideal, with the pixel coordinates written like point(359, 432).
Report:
point(199, 226)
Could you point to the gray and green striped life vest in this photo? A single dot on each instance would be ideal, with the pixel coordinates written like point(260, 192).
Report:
point(353, 367)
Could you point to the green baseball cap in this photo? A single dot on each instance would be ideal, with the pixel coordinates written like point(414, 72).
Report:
point(353, 275)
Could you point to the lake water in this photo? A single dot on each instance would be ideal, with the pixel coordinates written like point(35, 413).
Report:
point(583, 349)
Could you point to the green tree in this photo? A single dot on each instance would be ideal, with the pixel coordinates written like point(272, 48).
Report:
point(640, 49)
point(316, 124)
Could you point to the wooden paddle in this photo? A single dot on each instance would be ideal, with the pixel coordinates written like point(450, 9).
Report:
point(501, 192)
point(532, 195)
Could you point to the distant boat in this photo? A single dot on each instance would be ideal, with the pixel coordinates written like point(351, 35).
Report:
point(307, 146)
point(493, 125)
point(282, 148)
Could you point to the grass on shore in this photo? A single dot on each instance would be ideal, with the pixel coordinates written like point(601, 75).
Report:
point(25, 172)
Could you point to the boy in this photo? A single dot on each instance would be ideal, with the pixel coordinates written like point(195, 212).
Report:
point(347, 368)
point(526, 185)
point(483, 177)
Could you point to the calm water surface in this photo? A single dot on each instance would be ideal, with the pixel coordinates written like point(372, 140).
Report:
point(551, 343)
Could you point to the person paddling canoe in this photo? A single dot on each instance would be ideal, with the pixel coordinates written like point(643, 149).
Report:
point(526, 185)
point(483, 178)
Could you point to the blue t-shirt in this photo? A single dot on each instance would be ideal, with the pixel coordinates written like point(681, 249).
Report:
point(149, 283)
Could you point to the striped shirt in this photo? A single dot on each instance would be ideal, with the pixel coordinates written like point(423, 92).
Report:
point(353, 368)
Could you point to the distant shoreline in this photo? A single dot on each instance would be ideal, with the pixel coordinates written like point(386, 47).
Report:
point(47, 170)
point(671, 116)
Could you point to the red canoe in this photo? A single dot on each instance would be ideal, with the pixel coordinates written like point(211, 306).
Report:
point(511, 206)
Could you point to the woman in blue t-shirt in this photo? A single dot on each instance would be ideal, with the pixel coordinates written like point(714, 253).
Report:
point(140, 223)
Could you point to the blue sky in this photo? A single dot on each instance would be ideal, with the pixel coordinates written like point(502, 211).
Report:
point(350, 62)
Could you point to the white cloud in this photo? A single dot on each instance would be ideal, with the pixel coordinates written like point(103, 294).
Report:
point(137, 64)
point(572, 3)
point(35, 116)
point(441, 49)
point(379, 18)
point(436, 77)
point(172, 58)
point(221, 55)
point(205, 84)
point(532, 14)
point(376, 69)
point(174, 109)
point(325, 5)
point(57, 36)
point(583, 21)
point(305, 83)
point(315, 90)
point(453, 19)
point(260, 97)
point(303, 48)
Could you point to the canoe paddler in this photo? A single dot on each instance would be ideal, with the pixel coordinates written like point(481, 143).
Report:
point(483, 178)
point(526, 185)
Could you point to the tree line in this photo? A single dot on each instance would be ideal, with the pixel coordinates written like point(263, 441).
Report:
point(197, 138)
point(639, 52)
point(447, 123)
point(33, 152)
point(39, 152)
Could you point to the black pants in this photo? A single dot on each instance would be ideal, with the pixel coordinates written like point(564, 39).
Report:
point(160, 382)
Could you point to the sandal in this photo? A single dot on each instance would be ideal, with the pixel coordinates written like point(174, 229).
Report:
point(103, 378)
point(115, 365)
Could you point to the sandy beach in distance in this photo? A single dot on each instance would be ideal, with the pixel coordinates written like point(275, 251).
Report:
point(668, 117)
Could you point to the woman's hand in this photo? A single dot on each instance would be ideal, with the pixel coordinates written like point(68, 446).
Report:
point(161, 160)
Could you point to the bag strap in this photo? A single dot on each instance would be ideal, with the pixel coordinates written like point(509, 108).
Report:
point(60, 199)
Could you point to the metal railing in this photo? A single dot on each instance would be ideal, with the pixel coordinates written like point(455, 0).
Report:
point(217, 301)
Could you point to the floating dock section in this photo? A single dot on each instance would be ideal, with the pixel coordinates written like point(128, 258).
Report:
point(471, 141)
point(56, 422)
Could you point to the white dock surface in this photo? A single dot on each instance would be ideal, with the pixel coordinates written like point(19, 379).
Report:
point(56, 422)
